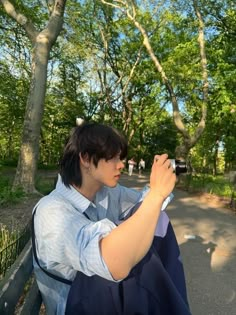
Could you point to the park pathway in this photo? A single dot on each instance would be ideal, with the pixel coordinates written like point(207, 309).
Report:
point(207, 240)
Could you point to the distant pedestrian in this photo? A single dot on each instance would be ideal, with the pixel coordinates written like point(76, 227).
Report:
point(141, 166)
point(131, 163)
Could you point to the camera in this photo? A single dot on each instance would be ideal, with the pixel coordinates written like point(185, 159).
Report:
point(179, 166)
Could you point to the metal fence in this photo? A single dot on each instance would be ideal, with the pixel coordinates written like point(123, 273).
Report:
point(9, 254)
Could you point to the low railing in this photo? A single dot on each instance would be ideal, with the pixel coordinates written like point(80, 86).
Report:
point(19, 293)
point(9, 254)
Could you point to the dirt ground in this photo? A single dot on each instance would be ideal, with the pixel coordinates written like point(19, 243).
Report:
point(17, 216)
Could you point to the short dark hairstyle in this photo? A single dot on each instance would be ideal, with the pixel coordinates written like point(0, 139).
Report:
point(95, 140)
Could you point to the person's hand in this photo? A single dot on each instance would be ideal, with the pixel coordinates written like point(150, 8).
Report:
point(162, 178)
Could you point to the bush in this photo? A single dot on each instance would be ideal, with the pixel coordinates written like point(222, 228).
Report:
point(11, 163)
point(217, 185)
point(49, 167)
point(45, 185)
point(7, 195)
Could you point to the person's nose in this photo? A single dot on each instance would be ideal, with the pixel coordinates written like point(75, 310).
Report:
point(120, 165)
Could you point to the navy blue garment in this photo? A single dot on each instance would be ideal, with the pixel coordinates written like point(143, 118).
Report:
point(155, 286)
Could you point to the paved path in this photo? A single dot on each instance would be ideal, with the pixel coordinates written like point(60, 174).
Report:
point(209, 259)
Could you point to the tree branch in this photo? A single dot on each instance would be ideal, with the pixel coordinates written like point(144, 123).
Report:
point(21, 20)
point(55, 22)
point(205, 86)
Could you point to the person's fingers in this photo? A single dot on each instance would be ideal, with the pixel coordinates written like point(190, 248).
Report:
point(160, 159)
point(156, 157)
point(168, 164)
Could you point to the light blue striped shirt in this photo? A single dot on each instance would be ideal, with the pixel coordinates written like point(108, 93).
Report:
point(66, 241)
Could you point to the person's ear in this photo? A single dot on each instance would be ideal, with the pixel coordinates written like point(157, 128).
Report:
point(84, 160)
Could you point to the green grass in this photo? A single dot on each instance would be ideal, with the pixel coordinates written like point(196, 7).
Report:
point(7, 196)
point(8, 236)
point(45, 185)
point(12, 241)
point(217, 185)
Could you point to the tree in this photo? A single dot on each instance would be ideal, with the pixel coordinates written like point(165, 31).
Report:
point(111, 65)
point(42, 42)
point(130, 8)
point(219, 136)
point(12, 107)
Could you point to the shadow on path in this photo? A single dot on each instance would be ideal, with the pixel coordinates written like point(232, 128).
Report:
point(210, 257)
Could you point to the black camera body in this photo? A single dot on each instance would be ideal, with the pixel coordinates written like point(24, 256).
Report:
point(179, 166)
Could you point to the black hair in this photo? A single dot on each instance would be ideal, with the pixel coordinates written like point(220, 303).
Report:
point(96, 141)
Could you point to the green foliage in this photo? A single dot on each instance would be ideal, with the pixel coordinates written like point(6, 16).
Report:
point(91, 64)
point(7, 195)
point(45, 184)
point(11, 111)
point(217, 185)
point(159, 136)
point(8, 163)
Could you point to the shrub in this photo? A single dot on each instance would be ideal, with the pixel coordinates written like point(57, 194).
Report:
point(7, 195)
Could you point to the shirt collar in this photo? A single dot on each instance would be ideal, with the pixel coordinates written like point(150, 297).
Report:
point(77, 200)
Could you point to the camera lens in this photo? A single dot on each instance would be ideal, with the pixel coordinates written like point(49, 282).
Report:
point(179, 166)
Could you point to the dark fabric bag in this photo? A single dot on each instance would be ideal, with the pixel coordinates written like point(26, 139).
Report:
point(155, 286)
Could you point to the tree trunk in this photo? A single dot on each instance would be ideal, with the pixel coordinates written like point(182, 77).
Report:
point(29, 151)
point(41, 43)
point(215, 157)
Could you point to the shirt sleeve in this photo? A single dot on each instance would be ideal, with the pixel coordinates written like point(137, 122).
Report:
point(165, 202)
point(69, 241)
point(127, 197)
point(131, 197)
point(85, 245)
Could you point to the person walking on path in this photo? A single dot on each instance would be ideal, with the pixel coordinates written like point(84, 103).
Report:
point(141, 166)
point(131, 164)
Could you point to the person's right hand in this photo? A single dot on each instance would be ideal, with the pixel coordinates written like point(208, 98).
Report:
point(162, 178)
point(130, 241)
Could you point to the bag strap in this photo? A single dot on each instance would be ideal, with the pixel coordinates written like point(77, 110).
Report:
point(51, 275)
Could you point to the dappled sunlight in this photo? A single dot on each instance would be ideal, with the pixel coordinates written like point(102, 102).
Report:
point(220, 258)
point(206, 236)
point(208, 269)
point(209, 232)
point(27, 153)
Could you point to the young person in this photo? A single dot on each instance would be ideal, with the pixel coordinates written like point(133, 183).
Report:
point(90, 251)
point(131, 164)
point(141, 166)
